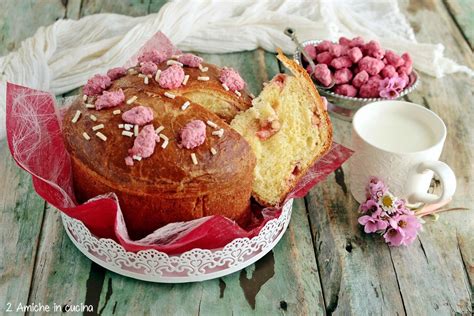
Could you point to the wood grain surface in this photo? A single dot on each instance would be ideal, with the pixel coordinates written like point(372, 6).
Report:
point(324, 264)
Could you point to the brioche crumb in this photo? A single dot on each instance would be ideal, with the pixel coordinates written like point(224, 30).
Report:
point(291, 148)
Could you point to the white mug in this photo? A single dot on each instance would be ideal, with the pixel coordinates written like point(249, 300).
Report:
point(400, 143)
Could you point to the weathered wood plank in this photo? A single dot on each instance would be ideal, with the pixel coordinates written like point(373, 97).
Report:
point(20, 20)
point(447, 243)
point(21, 215)
point(356, 270)
point(359, 273)
point(462, 12)
point(61, 272)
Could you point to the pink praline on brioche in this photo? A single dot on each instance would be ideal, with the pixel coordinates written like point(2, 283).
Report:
point(153, 55)
point(139, 115)
point(144, 144)
point(109, 99)
point(116, 73)
point(171, 77)
point(190, 60)
point(231, 79)
point(96, 85)
point(193, 134)
point(148, 68)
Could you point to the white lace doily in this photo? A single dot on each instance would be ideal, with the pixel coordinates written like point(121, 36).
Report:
point(191, 266)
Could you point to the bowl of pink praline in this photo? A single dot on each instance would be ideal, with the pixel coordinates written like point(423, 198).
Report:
point(362, 72)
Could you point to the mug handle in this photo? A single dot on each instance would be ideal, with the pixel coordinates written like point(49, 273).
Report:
point(447, 178)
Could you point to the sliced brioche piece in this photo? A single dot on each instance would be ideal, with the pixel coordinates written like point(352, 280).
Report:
point(288, 128)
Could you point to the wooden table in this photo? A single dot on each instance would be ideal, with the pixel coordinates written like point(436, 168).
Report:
point(323, 264)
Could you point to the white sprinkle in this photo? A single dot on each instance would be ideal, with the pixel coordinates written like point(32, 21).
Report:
point(185, 80)
point(116, 112)
point(97, 127)
point(158, 74)
point(141, 76)
point(252, 95)
point(226, 88)
point(194, 158)
point(76, 116)
point(185, 105)
point(90, 106)
point(219, 133)
point(204, 69)
point(159, 129)
point(238, 93)
point(132, 71)
point(213, 151)
point(120, 125)
point(101, 136)
point(203, 78)
point(135, 130)
point(132, 99)
point(86, 136)
point(127, 133)
point(212, 124)
point(145, 80)
point(84, 98)
point(93, 117)
point(200, 67)
point(128, 126)
point(174, 62)
point(137, 157)
point(175, 56)
point(169, 95)
point(165, 141)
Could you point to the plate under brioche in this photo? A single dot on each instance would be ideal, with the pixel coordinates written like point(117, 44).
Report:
point(288, 129)
point(167, 186)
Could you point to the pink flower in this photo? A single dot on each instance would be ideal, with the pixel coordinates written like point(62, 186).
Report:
point(394, 236)
point(376, 188)
point(370, 207)
point(372, 224)
point(390, 88)
point(408, 224)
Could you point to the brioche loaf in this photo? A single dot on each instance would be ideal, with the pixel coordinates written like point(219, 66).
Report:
point(288, 129)
point(174, 183)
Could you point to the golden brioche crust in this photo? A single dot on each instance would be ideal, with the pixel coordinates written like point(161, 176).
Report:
point(165, 187)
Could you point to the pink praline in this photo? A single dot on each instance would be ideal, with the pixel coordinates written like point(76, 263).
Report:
point(148, 68)
point(109, 99)
point(144, 144)
point(96, 85)
point(171, 77)
point(139, 115)
point(193, 134)
point(190, 60)
point(153, 55)
point(231, 79)
point(116, 73)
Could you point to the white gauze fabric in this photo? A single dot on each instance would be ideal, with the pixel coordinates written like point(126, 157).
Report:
point(62, 56)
